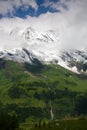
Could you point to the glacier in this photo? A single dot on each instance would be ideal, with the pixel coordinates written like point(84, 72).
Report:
point(25, 44)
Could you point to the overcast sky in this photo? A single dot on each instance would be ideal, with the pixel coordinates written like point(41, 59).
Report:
point(67, 17)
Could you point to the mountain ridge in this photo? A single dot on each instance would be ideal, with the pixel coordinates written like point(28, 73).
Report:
point(43, 46)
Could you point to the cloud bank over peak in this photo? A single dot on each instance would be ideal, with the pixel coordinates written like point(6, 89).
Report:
point(70, 23)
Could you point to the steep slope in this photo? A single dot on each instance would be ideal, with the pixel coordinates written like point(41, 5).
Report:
point(76, 60)
point(73, 60)
point(29, 89)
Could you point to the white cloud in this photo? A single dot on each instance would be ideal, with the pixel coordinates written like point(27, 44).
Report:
point(71, 21)
point(7, 6)
point(71, 24)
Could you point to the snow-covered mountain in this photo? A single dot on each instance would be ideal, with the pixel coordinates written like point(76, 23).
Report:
point(28, 45)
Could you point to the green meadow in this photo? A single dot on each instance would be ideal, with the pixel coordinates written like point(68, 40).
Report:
point(43, 92)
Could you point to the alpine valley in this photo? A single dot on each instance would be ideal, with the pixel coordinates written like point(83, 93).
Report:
point(39, 79)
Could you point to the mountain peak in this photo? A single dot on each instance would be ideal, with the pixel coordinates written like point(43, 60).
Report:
point(43, 46)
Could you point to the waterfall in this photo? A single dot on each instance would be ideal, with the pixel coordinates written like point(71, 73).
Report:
point(51, 111)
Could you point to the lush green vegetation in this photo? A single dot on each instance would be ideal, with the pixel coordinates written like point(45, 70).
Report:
point(31, 91)
point(8, 121)
point(62, 125)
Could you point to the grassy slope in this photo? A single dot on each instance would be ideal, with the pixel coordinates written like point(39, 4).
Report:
point(28, 90)
point(64, 125)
